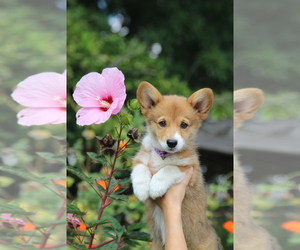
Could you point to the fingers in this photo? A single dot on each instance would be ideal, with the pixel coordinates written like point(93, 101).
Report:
point(188, 176)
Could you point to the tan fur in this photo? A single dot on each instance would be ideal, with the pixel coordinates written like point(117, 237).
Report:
point(174, 110)
point(247, 235)
point(246, 102)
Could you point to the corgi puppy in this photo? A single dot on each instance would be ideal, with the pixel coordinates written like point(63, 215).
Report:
point(247, 235)
point(172, 124)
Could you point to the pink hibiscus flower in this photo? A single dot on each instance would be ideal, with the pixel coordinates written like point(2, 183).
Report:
point(72, 222)
point(100, 95)
point(45, 96)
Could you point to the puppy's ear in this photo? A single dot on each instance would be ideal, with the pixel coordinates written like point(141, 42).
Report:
point(201, 101)
point(247, 101)
point(148, 96)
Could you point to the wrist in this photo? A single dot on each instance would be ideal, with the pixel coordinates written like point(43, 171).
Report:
point(172, 213)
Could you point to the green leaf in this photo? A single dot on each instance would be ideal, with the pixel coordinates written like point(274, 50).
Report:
point(22, 246)
point(120, 232)
point(96, 157)
point(6, 181)
point(53, 157)
point(22, 172)
point(74, 232)
point(108, 228)
point(119, 197)
point(109, 235)
point(294, 239)
point(125, 180)
point(114, 222)
point(110, 246)
point(80, 174)
point(138, 236)
point(56, 222)
point(136, 226)
point(98, 222)
point(72, 209)
point(81, 247)
point(10, 209)
point(130, 242)
point(124, 248)
point(120, 190)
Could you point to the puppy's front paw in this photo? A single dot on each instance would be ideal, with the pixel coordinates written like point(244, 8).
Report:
point(141, 191)
point(157, 188)
point(141, 178)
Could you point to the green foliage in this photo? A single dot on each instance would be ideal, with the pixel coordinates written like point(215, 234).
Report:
point(267, 51)
point(7, 208)
point(105, 192)
point(196, 37)
point(280, 106)
point(73, 209)
point(270, 198)
point(26, 43)
point(222, 107)
point(90, 50)
point(52, 157)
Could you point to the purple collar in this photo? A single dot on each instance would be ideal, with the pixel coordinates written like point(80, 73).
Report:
point(163, 154)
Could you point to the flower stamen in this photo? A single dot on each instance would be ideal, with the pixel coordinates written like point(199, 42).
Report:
point(104, 104)
point(62, 102)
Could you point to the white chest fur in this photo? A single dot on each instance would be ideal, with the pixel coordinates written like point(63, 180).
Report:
point(158, 218)
point(167, 174)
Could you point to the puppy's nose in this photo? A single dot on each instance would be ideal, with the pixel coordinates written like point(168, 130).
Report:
point(172, 143)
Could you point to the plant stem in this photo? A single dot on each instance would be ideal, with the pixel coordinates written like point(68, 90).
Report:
point(103, 244)
point(6, 243)
point(105, 199)
point(61, 212)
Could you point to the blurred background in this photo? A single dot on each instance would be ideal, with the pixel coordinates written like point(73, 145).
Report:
point(179, 47)
point(33, 40)
point(267, 56)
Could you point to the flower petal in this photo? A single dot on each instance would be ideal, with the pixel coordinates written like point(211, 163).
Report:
point(6, 216)
point(28, 226)
point(115, 82)
point(293, 226)
point(115, 107)
point(46, 89)
point(89, 89)
point(41, 116)
point(89, 116)
point(229, 226)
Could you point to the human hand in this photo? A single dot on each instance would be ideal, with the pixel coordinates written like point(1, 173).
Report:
point(175, 194)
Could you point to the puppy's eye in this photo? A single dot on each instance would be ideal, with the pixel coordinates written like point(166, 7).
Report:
point(183, 125)
point(162, 123)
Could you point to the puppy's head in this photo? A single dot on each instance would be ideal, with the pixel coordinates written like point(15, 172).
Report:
point(246, 102)
point(173, 121)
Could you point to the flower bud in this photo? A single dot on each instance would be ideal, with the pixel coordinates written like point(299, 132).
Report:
point(106, 144)
point(133, 105)
point(134, 134)
point(125, 118)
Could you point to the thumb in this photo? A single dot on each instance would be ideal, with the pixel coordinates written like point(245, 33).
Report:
point(188, 176)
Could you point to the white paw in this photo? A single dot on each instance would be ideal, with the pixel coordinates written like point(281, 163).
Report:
point(158, 188)
point(141, 178)
point(141, 191)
